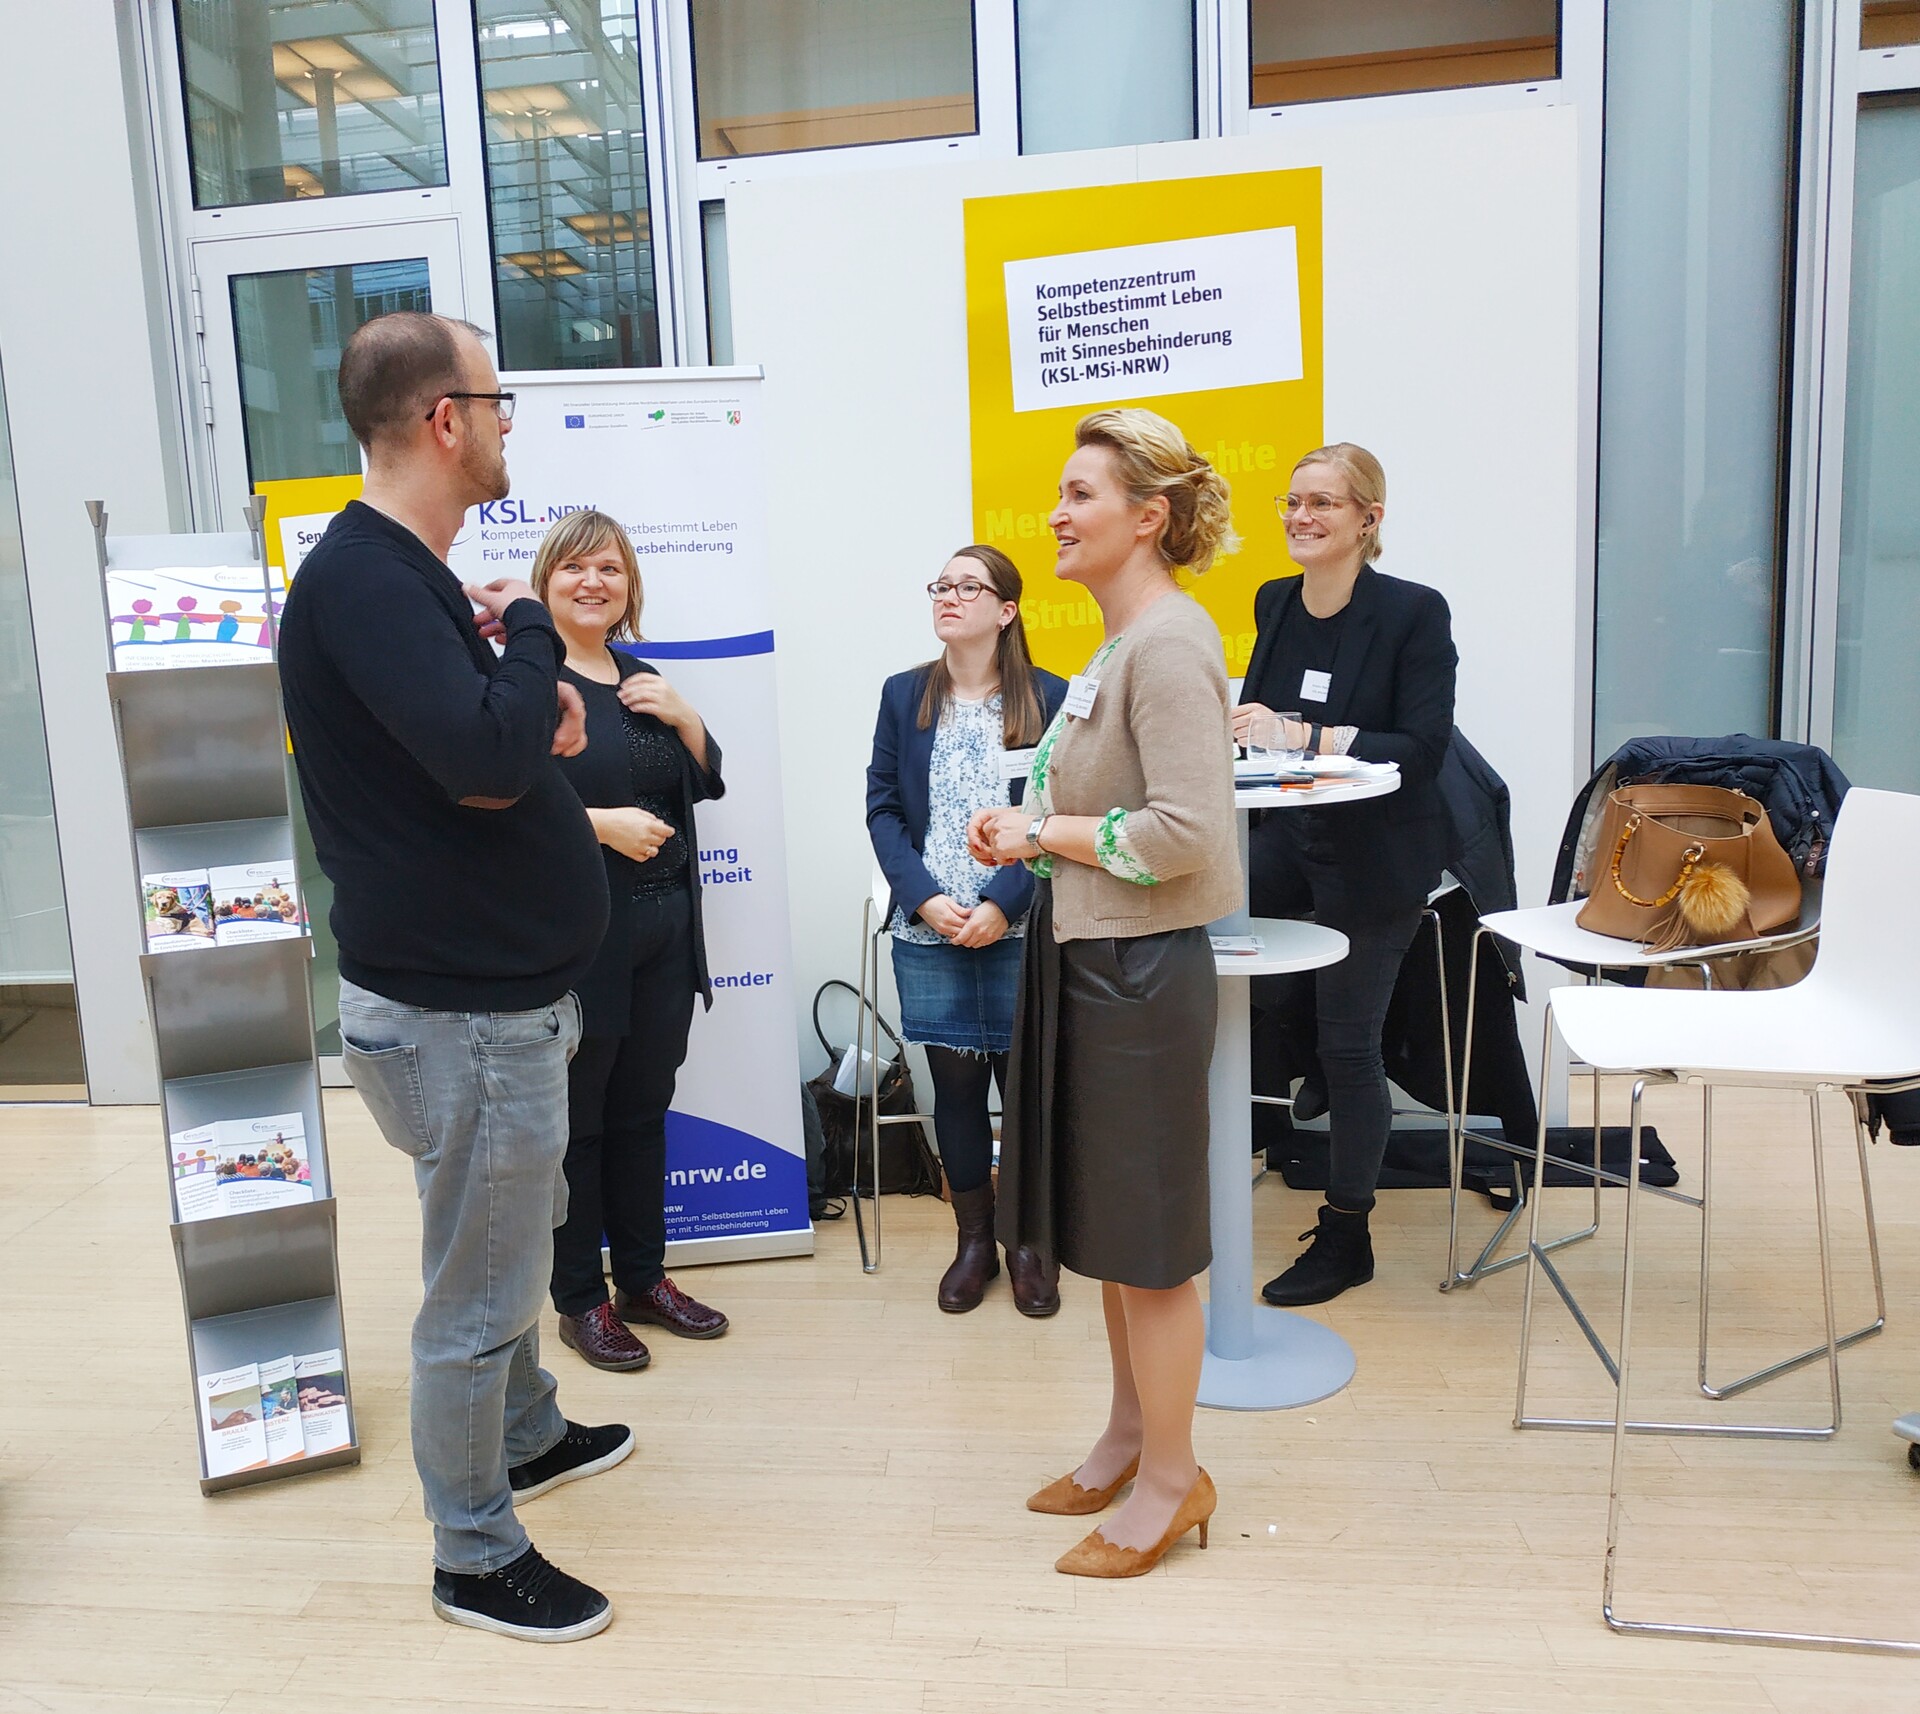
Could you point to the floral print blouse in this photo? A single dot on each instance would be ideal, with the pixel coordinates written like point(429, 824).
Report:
point(964, 774)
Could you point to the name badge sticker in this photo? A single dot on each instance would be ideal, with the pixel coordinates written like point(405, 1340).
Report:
point(1315, 686)
point(1081, 691)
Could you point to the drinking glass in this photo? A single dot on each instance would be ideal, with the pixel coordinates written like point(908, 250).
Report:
point(1266, 741)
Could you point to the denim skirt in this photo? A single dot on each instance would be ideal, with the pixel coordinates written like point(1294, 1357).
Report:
point(960, 997)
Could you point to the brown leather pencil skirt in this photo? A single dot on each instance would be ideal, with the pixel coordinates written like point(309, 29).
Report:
point(1103, 1153)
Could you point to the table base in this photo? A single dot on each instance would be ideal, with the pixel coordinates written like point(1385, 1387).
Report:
point(1294, 1362)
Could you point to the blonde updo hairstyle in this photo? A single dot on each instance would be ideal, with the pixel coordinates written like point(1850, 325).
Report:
point(589, 532)
point(1367, 480)
point(1151, 456)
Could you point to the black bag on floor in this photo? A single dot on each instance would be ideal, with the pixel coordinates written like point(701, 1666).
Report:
point(907, 1163)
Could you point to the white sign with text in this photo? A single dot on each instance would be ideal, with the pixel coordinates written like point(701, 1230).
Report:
point(1149, 319)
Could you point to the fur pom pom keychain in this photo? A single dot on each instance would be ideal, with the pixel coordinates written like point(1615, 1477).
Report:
point(1711, 903)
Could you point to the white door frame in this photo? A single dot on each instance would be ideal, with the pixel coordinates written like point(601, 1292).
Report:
point(215, 264)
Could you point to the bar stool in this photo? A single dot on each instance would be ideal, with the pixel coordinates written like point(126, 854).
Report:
point(866, 1090)
point(1849, 1027)
point(1552, 932)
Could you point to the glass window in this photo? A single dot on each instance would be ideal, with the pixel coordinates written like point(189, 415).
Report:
point(567, 184)
point(775, 75)
point(1889, 23)
point(1876, 707)
point(289, 98)
point(1695, 253)
point(1322, 50)
point(713, 235)
point(289, 328)
point(1100, 74)
point(39, 1027)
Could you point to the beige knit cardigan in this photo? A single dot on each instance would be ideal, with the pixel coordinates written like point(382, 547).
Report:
point(1158, 745)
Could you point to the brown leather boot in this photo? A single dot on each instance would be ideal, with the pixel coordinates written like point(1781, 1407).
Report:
point(1036, 1284)
point(975, 1261)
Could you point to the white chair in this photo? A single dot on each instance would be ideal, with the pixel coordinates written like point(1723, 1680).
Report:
point(873, 925)
point(1553, 932)
point(1850, 1026)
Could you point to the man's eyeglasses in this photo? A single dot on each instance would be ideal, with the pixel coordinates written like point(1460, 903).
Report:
point(967, 591)
point(1310, 505)
point(502, 403)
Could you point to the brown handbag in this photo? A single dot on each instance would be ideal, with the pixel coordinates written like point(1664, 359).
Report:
point(1688, 866)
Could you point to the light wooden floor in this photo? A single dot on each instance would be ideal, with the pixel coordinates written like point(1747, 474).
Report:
point(825, 1507)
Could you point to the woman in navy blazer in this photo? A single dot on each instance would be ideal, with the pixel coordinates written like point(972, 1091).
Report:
point(956, 923)
point(1368, 662)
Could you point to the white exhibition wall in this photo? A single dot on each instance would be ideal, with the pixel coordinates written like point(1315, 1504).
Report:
point(1451, 316)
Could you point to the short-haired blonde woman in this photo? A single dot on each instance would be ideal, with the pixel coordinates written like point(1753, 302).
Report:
point(648, 760)
point(1128, 824)
point(1368, 661)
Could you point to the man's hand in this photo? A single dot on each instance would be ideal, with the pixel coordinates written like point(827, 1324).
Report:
point(493, 599)
point(943, 916)
point(632, 832)
point(986, 924)
point(570, 736)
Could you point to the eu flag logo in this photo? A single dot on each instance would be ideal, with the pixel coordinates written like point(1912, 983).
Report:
point(576, 422)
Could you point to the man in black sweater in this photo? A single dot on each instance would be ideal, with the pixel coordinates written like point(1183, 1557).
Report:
point(469, 895)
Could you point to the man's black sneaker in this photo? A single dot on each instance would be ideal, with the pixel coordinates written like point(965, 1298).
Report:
point(579, 1452)
point(529, 1599)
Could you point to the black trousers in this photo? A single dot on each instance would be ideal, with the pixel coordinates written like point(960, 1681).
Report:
point(1350, 1001)
point(618, 1091)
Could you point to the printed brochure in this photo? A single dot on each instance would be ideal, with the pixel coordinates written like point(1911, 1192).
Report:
point(234, 1166)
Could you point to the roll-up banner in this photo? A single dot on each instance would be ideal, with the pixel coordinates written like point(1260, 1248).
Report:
point(678, 461)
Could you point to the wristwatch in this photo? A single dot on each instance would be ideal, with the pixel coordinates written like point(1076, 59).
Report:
point(1033, 832)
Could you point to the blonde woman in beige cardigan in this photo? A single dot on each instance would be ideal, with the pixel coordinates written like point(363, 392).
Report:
point(1128, 823)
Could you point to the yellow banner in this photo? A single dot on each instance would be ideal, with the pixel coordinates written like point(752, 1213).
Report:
point(1133, 303)
point(299, 508)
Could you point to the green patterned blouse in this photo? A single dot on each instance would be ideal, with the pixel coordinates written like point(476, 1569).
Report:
point(1111, 846)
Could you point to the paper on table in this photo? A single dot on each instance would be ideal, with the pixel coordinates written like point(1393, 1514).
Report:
point(1235, 945)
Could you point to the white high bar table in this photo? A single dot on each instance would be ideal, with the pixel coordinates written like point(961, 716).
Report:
point(1258, 1357)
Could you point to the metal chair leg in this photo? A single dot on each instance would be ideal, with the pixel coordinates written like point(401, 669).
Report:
point(1813, 1353)
point(1621, 1427)
point(1483, 1264)
point(869, 962)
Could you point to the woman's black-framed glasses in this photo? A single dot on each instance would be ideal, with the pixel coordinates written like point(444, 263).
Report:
point(968, 590)
point(502, 403)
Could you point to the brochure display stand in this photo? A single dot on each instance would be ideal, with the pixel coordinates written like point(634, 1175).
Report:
point(196, 702)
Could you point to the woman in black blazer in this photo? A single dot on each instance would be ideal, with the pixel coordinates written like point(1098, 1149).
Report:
point(649, 759)
point(1368, 662)
point(956, 923)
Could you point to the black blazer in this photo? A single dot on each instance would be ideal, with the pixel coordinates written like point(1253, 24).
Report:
point(1393, 678)
point(897, 797)
point(599, 774)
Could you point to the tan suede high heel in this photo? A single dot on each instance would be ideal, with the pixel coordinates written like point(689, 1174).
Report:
point(1067, 1499)
point(1098, 1557)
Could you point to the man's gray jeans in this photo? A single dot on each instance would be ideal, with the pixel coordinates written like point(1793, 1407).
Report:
point(478, 1101)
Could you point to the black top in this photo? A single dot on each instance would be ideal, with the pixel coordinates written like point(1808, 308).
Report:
point(398, 711)
point(1391, 667)
point(1302, 645)
point(635, 760)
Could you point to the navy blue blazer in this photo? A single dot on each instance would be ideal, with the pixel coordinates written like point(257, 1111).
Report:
point(897, 797)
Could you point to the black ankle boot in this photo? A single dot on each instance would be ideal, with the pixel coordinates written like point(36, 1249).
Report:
point(1341, 1255)
point(975, 1260)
